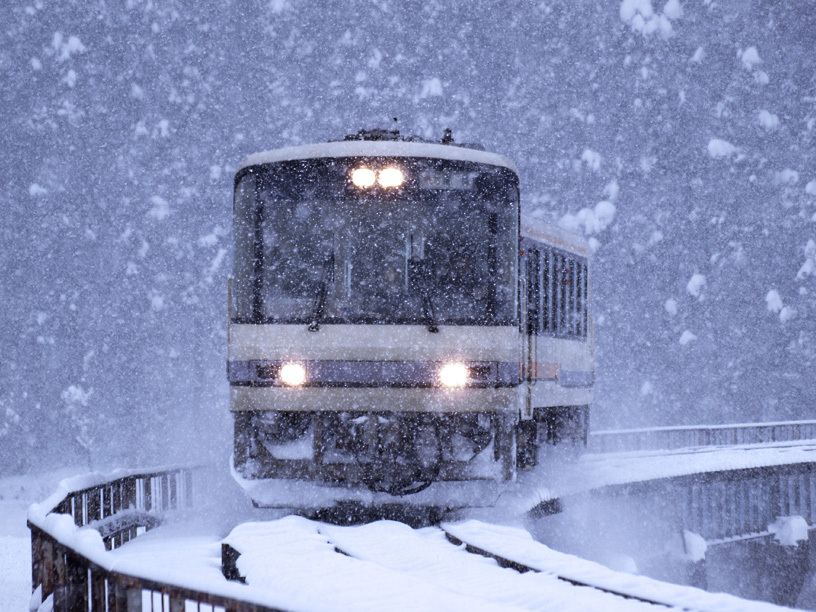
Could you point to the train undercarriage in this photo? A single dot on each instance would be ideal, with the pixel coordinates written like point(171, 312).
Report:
point(399, 453)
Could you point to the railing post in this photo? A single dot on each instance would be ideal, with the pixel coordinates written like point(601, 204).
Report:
point(129, 493)
point(774, 499)
point(107, 501)
point(76, 584)
point(93, 505)
point(98, 590)
point(79, 514)
point(134, 597)
point(116, 491)
point(117, 596)
point(177, 603)
point(148, 493)
point(811, 494)
point(61, 595)
point(164, 482)
point(188, 487)
point(47, 573)
point(727, 509)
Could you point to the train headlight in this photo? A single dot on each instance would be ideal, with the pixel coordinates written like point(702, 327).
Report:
point(363, 177)
point(391, 177)
point(293, 374)
point(453, 374)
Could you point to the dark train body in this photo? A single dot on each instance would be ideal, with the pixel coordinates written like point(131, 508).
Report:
point(396, 330)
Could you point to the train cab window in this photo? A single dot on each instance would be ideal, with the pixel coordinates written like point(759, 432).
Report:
point(308, 244)
point(245, 243)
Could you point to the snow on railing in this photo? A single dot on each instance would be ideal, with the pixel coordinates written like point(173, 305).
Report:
point(668, 438)
point(74, 530)
point(724, 505)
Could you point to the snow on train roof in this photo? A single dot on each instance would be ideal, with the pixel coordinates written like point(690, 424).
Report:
point(554, 235)
point(378, 148)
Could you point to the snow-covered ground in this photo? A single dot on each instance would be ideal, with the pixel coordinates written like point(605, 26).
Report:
point(409, 561)
point(298, 564)
point(15, 564)
point(17, 493)
point(617, 468)
point(560, 477)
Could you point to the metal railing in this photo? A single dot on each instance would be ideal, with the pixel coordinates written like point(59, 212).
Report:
point(668, 438)
point(724, 505)
point(81, 579)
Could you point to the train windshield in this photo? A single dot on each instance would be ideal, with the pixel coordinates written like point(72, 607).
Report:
point(440, 249)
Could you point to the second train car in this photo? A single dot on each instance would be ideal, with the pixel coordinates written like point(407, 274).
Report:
point(396, 328)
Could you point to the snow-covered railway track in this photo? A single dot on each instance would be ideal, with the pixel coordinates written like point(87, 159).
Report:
point(509, 562)
point(467, 565)
point(306, 565)
point(516, 549)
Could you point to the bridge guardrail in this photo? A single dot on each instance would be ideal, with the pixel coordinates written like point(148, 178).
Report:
point(726, 505)
point(669, 438)
point(73, 566)
point(73, 532)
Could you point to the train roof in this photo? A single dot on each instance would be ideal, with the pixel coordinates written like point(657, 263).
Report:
point(378, 148)
point(548, 233)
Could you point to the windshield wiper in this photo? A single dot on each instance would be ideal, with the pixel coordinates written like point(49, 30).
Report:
point(326, 277)
point(421, 280)
point(428, 312)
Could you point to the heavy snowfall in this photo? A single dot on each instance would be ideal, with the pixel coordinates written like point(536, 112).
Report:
point(678, 137)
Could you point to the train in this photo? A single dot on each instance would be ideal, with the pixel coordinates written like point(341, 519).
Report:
point(397, 331)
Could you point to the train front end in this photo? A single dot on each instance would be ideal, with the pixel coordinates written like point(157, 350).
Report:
point(374, 339)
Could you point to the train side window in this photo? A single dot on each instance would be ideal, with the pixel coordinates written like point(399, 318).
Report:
point(585, 313)
point(573, 311)
point(579, 299)
point(547, 293)
point(542, 292)
point(563, 285)
point(568, 301)
point(556, 291)
point(562, 293)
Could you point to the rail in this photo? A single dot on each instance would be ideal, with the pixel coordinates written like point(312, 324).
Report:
point(668, 438)
point(73, 532)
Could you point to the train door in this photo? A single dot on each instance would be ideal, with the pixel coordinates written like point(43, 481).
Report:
point(530, 327)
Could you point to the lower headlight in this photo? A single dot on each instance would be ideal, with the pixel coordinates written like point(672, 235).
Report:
point(293, 374)
point(453, 374)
